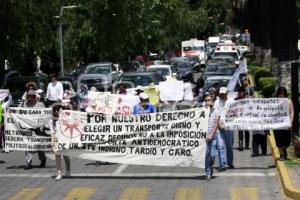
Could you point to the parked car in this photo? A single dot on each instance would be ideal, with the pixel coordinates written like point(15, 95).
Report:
point(17, 88)
point(183, 68)
point(168, 71)
point(100, 75)
point(242, 49)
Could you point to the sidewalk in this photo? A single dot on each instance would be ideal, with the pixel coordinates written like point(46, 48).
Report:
point(289, 174)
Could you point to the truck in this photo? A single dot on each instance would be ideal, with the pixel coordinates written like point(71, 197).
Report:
point(194, 47)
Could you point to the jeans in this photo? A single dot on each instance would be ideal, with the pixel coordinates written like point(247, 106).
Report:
point(228, 138)
point(58, 163)
point(221, 149)
point(210, 155)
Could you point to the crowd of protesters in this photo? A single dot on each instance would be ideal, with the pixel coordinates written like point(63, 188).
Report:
point(219, 140)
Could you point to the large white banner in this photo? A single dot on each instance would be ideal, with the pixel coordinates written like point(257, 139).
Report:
point(258, 114)
point(27, 129)
point(175, 138)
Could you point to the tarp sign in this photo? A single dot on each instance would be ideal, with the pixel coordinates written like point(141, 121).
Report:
point(171, 90)
point(258, 114)
point(175, 138)
point(27, 129)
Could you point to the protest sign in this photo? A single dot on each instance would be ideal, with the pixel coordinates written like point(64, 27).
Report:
point(171, 90)
point(3, 94)
point(188, 93)
point(258, 114)
point(235, 78)
point(176, 138)
point(152, 93)
point(107, 103)
point(27, 129)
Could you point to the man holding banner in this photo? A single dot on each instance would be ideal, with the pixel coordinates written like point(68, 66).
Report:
point(31, 102)
point(222, 105)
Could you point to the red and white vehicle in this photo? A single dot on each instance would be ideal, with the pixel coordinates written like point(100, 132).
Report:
point(194, 47)
point(228, 49)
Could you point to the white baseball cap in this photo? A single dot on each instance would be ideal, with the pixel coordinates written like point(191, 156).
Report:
point(223, 90)
point(143, 95)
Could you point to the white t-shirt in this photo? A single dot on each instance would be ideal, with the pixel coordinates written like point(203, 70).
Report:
point(222, 107)
point(55, 92)
point(213, 116)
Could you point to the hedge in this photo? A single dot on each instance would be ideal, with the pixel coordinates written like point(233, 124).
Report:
point(269, 90)
point(264, 81)
point(253, 68)
point(261, 73)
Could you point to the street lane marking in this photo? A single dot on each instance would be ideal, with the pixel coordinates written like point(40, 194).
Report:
point(120, 169)
point(80, 193)
point(193, 193)
point(27, 194)
point(245, 193)
point(135, 194)
point(178, 175)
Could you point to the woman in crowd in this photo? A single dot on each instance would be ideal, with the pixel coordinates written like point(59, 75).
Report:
point(283, 137)
point(53, 126)
point(144, 106)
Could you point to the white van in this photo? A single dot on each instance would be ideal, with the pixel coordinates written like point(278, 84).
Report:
point(194, 47)
point(228, 49)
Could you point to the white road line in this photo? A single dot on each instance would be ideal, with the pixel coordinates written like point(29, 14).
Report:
point(120, 169)
point(178, 175)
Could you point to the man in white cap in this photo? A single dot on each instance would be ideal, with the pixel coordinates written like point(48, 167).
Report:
point(31, 102)
point(226, 135)
point(144, 106)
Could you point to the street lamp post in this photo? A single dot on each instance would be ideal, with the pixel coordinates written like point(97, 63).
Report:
point(61, 36)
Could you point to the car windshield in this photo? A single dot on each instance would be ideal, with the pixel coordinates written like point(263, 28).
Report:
point(217, 69)
point(164, 71)
point(210, 82)
point(227, 54)
point(98, 69)
point(182, 66)
point(141, 79)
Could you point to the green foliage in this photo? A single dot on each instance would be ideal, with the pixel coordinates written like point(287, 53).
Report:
point(264, 81)
point(253, 68)
point(269, 90)
point(261, 73)
point(102, 30)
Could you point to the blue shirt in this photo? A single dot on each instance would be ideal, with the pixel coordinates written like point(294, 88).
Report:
point(138, 109)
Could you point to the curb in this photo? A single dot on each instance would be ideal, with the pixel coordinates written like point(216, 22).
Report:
point(285, 179)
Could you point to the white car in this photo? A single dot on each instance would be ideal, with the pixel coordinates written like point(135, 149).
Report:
point(169, 71)
point(242, 49)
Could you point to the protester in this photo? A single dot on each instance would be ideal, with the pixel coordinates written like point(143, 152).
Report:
point(283, 137)
point(259, 138)
point(222, 105)
point(144, 106)
point(31, 102)
point(83, 97)
point(211, 139)
point(55, 90)
point(248, 89)
point(29, 86)
point(242, 95)
point(122, 89)
point(53, 130)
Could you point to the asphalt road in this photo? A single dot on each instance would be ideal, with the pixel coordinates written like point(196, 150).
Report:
point(253, 178)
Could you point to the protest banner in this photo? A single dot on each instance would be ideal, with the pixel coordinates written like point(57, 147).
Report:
point(258, 114)
point(153, 94)
point(176, 138)
point(171, 90)
point(107, 103)
point(27, 129)
point(235, 78)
